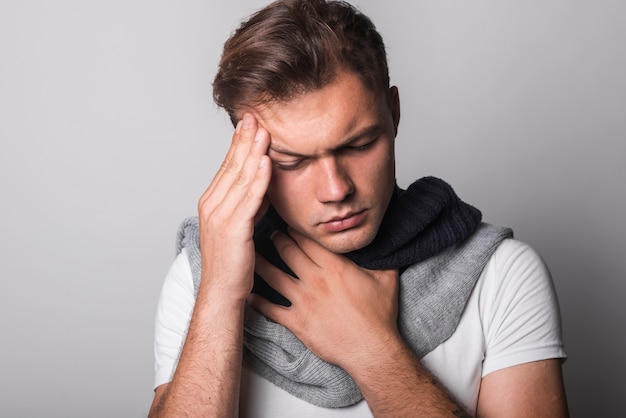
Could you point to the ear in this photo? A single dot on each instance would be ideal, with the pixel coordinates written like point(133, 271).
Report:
point(394, 101)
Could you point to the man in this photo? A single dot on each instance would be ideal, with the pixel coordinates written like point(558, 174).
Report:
point(311, 285)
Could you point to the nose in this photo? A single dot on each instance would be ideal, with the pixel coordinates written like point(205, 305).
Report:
point(334, 183)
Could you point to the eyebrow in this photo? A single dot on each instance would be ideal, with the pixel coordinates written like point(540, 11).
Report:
point(368, 131)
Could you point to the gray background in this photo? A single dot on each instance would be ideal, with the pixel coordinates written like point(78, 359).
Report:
point(109, 136)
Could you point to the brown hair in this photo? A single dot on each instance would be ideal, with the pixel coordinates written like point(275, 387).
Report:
point(291, 47)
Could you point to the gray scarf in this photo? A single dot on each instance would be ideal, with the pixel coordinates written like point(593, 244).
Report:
point(441, 248)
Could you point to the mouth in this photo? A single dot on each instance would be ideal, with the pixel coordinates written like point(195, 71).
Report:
point(343, 223)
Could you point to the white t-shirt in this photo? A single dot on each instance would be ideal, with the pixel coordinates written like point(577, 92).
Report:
point(512, 317)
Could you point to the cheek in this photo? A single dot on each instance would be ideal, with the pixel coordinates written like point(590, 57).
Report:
point(379, 169)
point(284, 195)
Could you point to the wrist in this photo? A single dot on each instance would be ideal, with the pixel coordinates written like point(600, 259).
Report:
point(221, 295)
point(375, 360)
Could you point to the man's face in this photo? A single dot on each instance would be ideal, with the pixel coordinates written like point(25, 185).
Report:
point(333, 161)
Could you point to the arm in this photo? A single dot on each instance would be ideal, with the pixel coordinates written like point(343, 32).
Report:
point(396, 384)
point(523, 312)
point(391, 378)
point(399, 386)
point(207, 378)
point(539, 391)
point(394, 389)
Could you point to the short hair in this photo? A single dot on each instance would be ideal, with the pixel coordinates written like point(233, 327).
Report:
point(292, 47)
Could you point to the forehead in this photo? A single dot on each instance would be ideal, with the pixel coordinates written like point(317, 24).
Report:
point(316, 121)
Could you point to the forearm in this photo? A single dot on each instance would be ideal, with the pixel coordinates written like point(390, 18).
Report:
point(396, 384)
point(366, 343)
point(207, 377)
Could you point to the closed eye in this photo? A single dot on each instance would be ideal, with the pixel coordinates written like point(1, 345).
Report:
point(360, 147)
point(288, 165)
point(359, 144)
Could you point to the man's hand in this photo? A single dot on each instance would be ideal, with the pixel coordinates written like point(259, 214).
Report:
point(207, 378)
point(229, 208)
point(345, 314)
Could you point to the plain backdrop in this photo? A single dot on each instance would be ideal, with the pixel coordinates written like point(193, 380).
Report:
point(109, 136)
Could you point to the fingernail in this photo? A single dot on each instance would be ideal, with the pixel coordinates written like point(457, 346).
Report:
point(258, 136)
point(250, 299)
point(247, 121)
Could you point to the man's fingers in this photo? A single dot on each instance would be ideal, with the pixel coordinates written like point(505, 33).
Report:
point(227, 159)
point(247, 192)
point(313, 250)
point(265, 204)
point(254, 199)
point(238, 153)
point(291, 252)
point(277, 279)
point(276, 313)
point(245, 175)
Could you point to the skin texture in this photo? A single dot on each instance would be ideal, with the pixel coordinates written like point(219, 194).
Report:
point(325, 161)
point(333, 156)
point(212, 351)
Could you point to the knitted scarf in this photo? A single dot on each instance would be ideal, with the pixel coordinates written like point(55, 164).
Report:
point(436, 241)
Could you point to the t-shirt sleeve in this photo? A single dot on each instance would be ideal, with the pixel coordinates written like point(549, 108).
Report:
point(522, 321)
point(172, 318)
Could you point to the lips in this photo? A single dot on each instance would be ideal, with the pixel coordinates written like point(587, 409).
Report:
point(342, 223)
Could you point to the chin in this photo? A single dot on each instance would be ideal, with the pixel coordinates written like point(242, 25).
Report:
point(347, 242)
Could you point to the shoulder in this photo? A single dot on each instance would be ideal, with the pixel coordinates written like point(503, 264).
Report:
point(510, 318)
point(516, 257)
point(516, 271)
point(518, 308)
